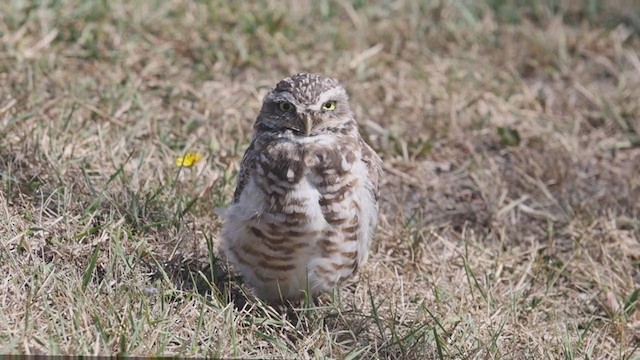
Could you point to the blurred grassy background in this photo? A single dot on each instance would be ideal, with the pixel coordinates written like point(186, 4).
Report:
point(510, 208)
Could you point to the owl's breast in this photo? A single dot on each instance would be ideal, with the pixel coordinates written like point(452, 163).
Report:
point(326, 167)
point(305, 217)
point(330, 163)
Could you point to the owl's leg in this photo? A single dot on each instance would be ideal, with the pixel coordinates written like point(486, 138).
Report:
point(315, 300)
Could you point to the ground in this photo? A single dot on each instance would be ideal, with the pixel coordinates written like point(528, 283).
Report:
point(510, 216)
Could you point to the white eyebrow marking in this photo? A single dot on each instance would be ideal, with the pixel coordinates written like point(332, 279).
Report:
point(282, 97)
point(330, 94)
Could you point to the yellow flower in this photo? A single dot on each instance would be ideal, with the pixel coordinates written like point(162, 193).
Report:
point(189, 159)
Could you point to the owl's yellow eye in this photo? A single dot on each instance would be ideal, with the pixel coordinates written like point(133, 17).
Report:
point(286, 106)
point(329, 105)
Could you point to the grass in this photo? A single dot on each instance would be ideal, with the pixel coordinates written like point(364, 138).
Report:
point(510, 134)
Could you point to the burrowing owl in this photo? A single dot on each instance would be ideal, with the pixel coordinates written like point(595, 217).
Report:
point(306, 202)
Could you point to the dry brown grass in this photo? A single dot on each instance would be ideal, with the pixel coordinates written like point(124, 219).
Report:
point(489, 247)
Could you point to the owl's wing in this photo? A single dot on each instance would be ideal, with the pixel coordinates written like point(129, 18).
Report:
point(245, 167)
point(374, 167)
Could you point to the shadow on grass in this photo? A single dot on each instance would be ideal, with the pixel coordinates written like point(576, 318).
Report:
point(212, 281)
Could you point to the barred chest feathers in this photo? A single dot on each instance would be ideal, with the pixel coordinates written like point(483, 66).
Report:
point(306, 217)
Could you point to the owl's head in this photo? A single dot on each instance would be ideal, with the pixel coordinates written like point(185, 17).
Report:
point(307, 105)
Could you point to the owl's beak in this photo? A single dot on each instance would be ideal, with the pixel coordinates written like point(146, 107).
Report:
point(308, 124)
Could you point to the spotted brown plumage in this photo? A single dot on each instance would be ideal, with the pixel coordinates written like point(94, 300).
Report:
point(306, 201)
